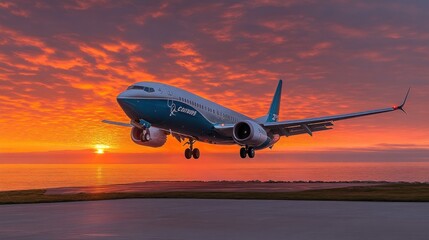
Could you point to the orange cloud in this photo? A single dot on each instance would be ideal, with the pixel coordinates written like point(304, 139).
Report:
point(187, 56)
point(121, 46)
point(46, 60)
point(12, 37)
point(182, 49)
point(93, 52)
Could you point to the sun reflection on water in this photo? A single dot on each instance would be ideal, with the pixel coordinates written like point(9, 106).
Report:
point(99, 175)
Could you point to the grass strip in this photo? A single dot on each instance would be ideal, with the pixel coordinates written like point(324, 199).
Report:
point(402, 192)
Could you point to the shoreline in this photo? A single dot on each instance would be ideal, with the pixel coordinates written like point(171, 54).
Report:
point(256, 190)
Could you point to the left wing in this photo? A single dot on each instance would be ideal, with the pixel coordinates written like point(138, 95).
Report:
point(310, 125)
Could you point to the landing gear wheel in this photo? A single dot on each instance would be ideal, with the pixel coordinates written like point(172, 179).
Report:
point(196, 153)
point(243, 152)
point(147, 137)
point(188, 153)
point(251, 152)
point(191, 151)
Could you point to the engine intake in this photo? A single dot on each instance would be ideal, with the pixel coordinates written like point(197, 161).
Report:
point(157, 137)
point(249, 133)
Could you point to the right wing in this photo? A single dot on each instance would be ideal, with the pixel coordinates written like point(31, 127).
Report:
point(179, 136)
point(117, 123)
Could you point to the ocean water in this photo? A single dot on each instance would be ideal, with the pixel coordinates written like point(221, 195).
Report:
point(33, 176)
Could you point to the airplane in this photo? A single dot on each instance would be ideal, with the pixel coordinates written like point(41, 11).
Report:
point(156, 110)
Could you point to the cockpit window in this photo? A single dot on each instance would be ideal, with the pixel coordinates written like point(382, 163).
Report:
point(146, 89)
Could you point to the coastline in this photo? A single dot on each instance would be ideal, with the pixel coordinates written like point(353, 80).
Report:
point(270, 190)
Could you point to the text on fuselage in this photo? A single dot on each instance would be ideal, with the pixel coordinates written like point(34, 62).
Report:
point(187, 111)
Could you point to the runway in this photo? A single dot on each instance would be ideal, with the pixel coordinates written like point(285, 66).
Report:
point(215, 219)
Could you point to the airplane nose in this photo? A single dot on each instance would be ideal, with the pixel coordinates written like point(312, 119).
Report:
point(122, 98)
point(122, 95)
point(127, 105)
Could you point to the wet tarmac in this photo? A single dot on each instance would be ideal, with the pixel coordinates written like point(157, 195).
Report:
point(215, 219)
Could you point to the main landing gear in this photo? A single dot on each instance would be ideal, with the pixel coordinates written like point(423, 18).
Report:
point(191, 151)
point(247, 151)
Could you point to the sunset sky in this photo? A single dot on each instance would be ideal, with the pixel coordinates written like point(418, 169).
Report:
point(62, 64)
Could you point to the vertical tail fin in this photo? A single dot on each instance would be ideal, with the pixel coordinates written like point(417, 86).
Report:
point(273, 113)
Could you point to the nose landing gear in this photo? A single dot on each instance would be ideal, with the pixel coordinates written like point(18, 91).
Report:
point(144, 126)
point(191, 151)
point(145, 136)
point(247, 151)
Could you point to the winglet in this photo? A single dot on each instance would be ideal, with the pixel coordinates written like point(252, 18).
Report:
point(401, 107)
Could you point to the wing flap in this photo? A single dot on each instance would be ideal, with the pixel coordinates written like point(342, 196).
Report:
point(302, 129)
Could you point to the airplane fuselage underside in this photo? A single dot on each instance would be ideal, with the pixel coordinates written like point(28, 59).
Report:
point(173, 115)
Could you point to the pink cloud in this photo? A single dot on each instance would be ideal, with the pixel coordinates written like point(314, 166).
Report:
point(375, 56)
point(152, 13)
point(316, 50)
point(280, 25)
point(84, 4)
point(14, 9)
point(265, 37)
point(223, 29)
point(222, 34)
point(348, 31)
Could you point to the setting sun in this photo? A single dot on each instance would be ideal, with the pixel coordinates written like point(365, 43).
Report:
point(99, 148)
